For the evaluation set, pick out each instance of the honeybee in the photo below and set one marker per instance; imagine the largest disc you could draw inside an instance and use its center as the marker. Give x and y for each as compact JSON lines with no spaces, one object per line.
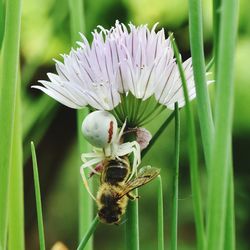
{"x":115,"y":189}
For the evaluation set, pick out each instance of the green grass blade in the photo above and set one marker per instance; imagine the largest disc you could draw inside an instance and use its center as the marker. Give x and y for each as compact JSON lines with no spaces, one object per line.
{"x":160,"y":215}
{"x":174,"y":214}
{"x":38,"y":199}
{"x":197,"y":51}
{"x":76,"y":19}
{"x":8,"y":88}
{"x":2,"y":19}
{"x":220,"y":163}
{"x":85,"y":202}
{"x":216,"y":29}
{"x":132,"y":225}
{"x":89,"y":233}
{"x":210,"y":64}
{"x":16,"y":206}
{"x":193,"y":158}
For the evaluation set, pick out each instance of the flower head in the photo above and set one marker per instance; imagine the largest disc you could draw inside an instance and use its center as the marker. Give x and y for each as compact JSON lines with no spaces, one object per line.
{"x":123,"y":70}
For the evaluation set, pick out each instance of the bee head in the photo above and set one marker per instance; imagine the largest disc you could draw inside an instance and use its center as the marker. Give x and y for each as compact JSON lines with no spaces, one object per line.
{"x":109,"y":216}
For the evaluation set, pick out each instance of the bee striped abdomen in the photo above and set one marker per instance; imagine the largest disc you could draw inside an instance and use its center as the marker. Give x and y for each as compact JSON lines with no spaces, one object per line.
{"x":110,"y":208}
{"x":116,"y":172}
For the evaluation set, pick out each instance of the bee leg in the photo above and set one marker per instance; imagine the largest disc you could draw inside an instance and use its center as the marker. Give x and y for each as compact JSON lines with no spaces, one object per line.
{"x":132,"y":196}
{"x":85,"y":182}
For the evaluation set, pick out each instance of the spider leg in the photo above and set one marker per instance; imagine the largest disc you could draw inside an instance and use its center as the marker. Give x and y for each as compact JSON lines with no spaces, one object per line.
{"x":85,"y":156}
{"x":131,"y":147}
{"x":137,"y":157}
{"x":121,"y":131}
{"x":88,"y":164}
{"x":85,"y":182}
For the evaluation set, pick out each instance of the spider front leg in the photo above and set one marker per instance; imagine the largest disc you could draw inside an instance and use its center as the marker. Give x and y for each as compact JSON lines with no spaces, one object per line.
{"x":88,"y":164}
{"x":85,"y":182}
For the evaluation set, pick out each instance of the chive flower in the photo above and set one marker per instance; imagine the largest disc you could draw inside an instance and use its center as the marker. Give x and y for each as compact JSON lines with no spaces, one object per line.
{"x":128,"y":71}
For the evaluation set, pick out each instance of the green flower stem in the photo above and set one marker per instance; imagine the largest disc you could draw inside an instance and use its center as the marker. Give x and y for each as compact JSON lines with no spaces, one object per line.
{"x":8,"y":88}
{"x":38,"y":199}
{"x":160,"y":215}
{"x":158,"y":134}
{"x":219,"y":179}
{"x":89,"y":233}
{"x":193,"y":157}
{"x":174,"y":214}
{"x":197,"y":51}
{"x":132,"y":225}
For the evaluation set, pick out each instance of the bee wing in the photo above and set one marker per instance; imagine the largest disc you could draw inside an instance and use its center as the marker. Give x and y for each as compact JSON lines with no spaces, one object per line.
{"x":145,"y":175}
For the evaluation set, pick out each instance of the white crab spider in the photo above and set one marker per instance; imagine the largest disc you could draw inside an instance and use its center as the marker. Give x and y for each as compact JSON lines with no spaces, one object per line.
{"x":101,"y":130}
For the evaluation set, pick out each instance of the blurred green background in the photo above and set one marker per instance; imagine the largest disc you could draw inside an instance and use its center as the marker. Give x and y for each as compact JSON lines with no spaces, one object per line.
{"x":45,"y":35}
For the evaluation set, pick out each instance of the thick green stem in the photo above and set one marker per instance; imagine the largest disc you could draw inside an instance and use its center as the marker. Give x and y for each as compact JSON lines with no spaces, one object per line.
{"x":16,"y":206}
{"x":8,"y":87}
{"x":219,"y":178}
